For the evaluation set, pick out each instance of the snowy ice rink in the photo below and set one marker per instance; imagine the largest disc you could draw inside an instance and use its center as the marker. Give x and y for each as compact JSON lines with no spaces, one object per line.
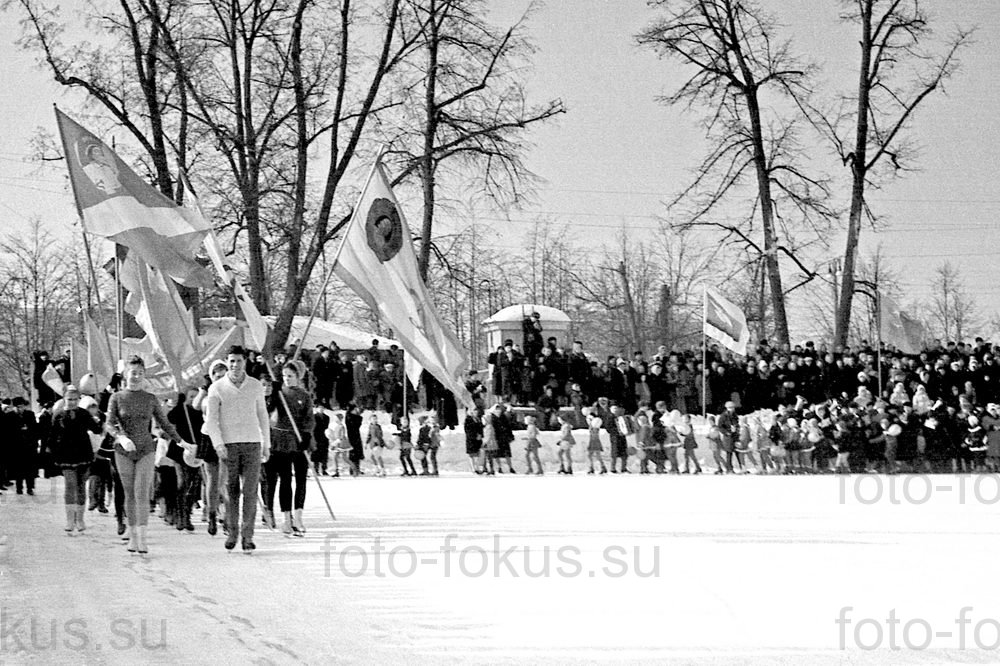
{"x":705,"y":569}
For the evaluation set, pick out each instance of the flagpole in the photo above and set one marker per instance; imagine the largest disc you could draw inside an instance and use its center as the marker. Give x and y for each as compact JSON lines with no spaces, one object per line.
{"x":704,"y":353}
{"x":878,"y":351}
{"x":336,"y":257}
{"x":119,"y":316}
{"x":86,"y":246}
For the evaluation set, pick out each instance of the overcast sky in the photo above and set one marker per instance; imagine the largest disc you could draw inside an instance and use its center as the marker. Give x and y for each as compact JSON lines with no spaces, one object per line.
{"x":617,"y":154}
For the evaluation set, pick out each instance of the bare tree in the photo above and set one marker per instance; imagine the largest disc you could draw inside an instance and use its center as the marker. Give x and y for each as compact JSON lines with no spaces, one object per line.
{"x":898,"y":70}
{"x":951,"y":310}
{"x":39,"y":303}
{"x":142,"y":95}
{"x":733,"y":48}
{"x":466,"y":78}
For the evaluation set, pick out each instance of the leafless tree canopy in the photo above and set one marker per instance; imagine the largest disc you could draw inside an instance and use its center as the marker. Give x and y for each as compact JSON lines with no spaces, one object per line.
{"x":747,"y":82}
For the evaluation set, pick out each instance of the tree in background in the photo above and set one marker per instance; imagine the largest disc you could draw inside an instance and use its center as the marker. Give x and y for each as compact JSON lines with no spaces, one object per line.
{"x":898,"y":70}
{"x":39,"y":303}
{"x":463,"y":108}
{"x":738,"y":60}
{"x":951,"y":312}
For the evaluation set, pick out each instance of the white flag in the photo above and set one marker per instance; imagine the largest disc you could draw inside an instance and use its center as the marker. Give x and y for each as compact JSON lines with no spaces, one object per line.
{"x":376,"y":259}
{"x":899,"y":329}
{"x":725,"y":322}
{"x":255,"y":321}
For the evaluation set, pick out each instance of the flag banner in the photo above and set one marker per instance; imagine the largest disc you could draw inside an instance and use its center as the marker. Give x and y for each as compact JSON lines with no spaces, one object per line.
{"x":157,"y":307}
{"x":256,"y":324}
{"x":79,"y":361}
{"x":53,"y":380}
{"x":725,"y":322}
{"x":116,"y":204}
{"x":377,"y":261}
{"x":100,"y":357}
{"x":899,"y":329}
{"x":160,"y":380}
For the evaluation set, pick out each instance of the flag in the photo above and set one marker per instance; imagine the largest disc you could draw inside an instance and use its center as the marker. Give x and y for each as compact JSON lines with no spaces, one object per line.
{"x":116,"y":204}
{"x":725,"y":322}
{"x":255,"y":321}
{"x":100,"y":358}
{"x":157,"y":307}
{"x":899,"y":329}
{"x":377,"y":261}
{"x":79,"y":361}
{"x":53,"y":380}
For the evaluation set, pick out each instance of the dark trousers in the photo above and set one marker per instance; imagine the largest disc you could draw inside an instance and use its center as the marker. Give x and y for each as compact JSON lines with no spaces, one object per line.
{"x":279,"y":469}
{"x":691,"y":456}
{"x":166,"y":488}
{"x":431,"y":459}
{"x":75,"y":479}
{"x":243,"y":465}
{"x":25,"y":470}
{"x":119,"y":491}
{"x":671,"y":454}
{"x":188,"y":492}
{"x":100,"y":481}
{"x":407,"y":461}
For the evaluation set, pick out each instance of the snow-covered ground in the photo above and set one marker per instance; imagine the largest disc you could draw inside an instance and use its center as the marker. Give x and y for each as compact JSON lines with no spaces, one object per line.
{"x":453,"y":569}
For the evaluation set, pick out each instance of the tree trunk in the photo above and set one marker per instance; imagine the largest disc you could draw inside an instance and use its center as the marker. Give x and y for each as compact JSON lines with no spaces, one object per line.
{"x":430,"y":130}
{"x":859,"y":160}
{"x":767,"y":220}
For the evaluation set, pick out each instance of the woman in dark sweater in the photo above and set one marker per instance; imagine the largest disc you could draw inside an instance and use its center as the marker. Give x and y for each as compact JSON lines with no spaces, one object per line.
{"x":131,"y":412}
{"x":292,"y":424}
{"x":72,"y":451}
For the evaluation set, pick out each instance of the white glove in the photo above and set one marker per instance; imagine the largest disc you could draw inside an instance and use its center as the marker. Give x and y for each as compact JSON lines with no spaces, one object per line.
{"x":125,"y":442}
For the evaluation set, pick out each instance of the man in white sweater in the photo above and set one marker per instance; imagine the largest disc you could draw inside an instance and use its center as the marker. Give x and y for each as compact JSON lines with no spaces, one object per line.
{"x":237,"y":422}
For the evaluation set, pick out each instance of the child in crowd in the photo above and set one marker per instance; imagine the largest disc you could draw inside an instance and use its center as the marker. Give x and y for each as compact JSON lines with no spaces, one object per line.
{"x":337,"y":434}
{"x":714,"y":437}
{"x":406,"y":448}
{"x":376,"y":444}
{"x":644,"y":444}
{"x":594,"y":447}
{"x":490,"y":445}
{"x":685,"y":431}
{"x":532,"y":445}
{"x":566,"y":443}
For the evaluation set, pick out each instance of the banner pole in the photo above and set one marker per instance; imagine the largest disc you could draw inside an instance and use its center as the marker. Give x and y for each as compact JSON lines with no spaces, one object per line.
{"x":336,"y":257}
{"x":704,"y":353}
{"x":878,"y":350}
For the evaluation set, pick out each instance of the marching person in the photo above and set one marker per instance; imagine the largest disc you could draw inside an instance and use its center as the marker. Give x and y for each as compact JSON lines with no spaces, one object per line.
{"x":236,"y":420}
{"x":188,"y":422}
{"x":131,"y":412}
{"x":72,"y":451}
{"x":292,"y":419}
{"x":214,"y":469}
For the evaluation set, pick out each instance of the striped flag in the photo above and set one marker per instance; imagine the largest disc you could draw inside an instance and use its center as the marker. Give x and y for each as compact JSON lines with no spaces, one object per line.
{"x":377,"y":261}
{"x":116,"y":204}
{"x":725,"y":322}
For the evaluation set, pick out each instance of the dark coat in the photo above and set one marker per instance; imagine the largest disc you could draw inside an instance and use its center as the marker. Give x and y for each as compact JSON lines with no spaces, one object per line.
{"x":69,"y":440}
